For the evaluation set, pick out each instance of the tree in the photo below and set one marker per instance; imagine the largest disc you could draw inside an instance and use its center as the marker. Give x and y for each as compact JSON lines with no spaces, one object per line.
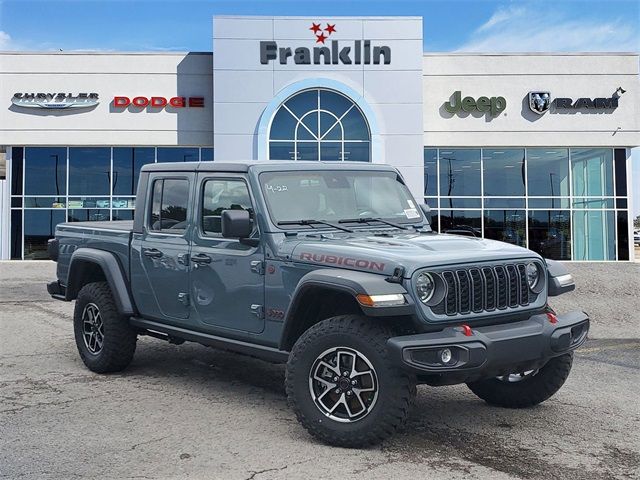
{"x":636,"y":223}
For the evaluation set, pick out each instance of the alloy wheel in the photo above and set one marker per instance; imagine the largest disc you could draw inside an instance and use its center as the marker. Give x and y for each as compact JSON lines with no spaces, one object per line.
{"x":343,"y":384}
{"x":92,"y":328}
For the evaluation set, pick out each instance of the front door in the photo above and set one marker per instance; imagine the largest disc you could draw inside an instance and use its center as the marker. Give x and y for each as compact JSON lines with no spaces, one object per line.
{"x":164,"y":248}
{"x":227,"y":282}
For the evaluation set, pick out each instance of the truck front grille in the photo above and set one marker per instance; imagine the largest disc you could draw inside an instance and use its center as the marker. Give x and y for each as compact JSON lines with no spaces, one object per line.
{"x":478,"y":289}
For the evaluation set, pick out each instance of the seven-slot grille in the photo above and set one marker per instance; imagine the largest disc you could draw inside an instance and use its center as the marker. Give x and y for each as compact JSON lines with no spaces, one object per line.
{"x":487,"y":288}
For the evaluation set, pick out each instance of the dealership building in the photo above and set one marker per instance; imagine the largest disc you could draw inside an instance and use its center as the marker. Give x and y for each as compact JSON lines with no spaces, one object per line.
{"x":532,"y":149}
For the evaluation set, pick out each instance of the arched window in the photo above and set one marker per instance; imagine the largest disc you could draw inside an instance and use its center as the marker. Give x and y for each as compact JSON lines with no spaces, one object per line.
{"x":319,"y":124}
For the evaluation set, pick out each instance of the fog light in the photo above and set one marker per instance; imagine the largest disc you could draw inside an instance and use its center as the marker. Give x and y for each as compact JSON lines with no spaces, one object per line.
{"x":445,"y":355}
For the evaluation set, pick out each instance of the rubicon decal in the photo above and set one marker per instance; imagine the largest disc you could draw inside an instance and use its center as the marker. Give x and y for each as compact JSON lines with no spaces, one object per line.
{"x":158,"y":102}
{"x":55,"y":100}
{"x":330,"y":53}
{"x":346,"y":261}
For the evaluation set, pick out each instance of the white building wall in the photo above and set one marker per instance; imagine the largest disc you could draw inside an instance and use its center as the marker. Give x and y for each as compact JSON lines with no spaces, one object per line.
{"x":108,"y":74}
{"x":513,"y":76}
{"x":244,"y":88}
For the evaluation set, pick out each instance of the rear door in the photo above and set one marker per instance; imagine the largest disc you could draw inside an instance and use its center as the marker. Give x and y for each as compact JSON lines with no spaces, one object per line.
{"x":227,"y":281}
{"x":164,"y":247}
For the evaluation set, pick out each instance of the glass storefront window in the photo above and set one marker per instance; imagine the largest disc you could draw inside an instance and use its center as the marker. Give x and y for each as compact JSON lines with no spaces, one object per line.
{"x":550,"y":233}
{"x":430,"y":172}
{"x":17,"y":162}
{"x":39,"y":227}
{"x":466,"y":222}
{"x":45,"y":202}
{"x":87,"y":215}
{"x":548,"y":172}
{"x":503,"y":172}
{"x":127,"y":162}
{"x":592,"y":172}
{"x":506,"y":226}
{"x":460,"y":172}
{"x":594,"y":235}
{"x":206,"y":154}
{"x":45,"y":171}
{"x":89,"y":170}
{"x":178,"y":154}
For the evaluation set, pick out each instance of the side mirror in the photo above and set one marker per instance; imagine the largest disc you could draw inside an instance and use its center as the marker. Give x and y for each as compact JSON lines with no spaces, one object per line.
{"x":236,"y":224}
{"x":426,"y":210}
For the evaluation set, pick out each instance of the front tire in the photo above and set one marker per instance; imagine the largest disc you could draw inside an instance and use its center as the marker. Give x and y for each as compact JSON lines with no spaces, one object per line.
{"x":105,"y":340}
{"x":342,"y":385}
{"x":522,"y":390}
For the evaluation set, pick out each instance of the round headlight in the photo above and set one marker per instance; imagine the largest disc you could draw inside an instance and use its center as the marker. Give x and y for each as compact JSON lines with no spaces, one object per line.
{"x":533,"y":275}
{"x":425,"y":286}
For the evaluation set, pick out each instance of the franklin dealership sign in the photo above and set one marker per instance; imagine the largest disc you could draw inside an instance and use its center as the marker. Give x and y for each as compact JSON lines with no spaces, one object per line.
{"x":331,"y":53}
{"x":55,"y":100}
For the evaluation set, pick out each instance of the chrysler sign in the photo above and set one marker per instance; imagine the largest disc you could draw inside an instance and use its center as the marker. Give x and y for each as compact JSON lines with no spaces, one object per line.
{"x":55,"y":100}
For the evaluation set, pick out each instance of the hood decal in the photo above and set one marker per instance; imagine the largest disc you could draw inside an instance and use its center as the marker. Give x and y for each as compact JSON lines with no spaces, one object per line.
{"x":339,"y":260}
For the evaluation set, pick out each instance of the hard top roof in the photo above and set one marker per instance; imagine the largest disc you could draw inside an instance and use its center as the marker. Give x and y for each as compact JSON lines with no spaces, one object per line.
{"x":260,"y":166}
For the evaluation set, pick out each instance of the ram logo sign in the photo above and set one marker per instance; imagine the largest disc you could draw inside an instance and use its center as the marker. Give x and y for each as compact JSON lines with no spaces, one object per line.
{"x":539,"y":102}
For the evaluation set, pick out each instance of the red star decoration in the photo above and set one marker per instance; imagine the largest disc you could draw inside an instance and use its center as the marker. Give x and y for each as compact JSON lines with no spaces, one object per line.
{"x":321,"y":38}
{"x":330,"y":28}
{"x":315,"y":27}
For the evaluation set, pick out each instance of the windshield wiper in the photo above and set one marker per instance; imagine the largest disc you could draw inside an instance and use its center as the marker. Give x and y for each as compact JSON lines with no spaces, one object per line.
{"x":373,"y":219}
{"x":312,"y":222}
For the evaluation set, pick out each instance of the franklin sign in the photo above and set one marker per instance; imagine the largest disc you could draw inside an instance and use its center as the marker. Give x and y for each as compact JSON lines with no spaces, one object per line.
{"x":359,"y":52}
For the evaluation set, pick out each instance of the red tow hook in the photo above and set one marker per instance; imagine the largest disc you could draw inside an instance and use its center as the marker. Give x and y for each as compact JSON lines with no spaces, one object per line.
{"x":466,"y":329}
{"x":552,"y":317}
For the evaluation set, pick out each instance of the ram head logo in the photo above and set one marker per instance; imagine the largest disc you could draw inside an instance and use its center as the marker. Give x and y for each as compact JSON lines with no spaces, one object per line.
{"x":539,"y":102}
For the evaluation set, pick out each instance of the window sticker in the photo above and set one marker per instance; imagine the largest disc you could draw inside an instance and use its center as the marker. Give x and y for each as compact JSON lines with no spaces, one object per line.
{"x":276,"y":188}
{"x":411,"y":204}
{"x":411,"y":213}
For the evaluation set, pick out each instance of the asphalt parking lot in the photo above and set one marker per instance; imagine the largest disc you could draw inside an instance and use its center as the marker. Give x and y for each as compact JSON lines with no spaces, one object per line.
{"x":194,"y":412}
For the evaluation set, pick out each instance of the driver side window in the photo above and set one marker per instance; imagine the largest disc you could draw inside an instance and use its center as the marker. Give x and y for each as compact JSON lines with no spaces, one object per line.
{"x":219,"y":195}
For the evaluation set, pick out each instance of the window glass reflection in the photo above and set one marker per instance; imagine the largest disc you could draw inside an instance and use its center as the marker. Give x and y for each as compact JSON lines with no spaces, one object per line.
{"x":45,"y":171}
{"x":206,"y":154}
{"x":178,"y":154}
{"x":550,"y":233}
{"x":87,"y":215}
{"x":39,"y":227}
{"x":463,"y":222}
{"x":127,"y":162}
{"x":460,"y":172}
{"x":592,"y":172}
{"x":430,"y":172}
{"x":548,"y":171}
{"x":505,"y":226}
{"x":593,"y":235}
{"x":89,"y":171}
{"x":17,"y":159}
{"x":503,"y":172}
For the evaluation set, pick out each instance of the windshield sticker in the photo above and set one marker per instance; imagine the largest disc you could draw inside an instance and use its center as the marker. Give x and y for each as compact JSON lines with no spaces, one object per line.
{"x":411,"y":213}
{"x":411,"y":204}
{"x":276,"y":188}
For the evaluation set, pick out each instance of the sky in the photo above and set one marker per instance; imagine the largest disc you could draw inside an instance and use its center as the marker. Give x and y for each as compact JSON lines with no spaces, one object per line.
{"x":449,"y":25}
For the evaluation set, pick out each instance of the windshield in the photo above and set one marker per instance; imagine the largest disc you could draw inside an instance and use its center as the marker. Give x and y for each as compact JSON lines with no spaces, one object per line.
{"x":338,"y":195}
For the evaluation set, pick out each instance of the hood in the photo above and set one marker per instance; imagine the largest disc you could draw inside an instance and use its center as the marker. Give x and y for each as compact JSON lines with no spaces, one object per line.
{"x":383,"y":253}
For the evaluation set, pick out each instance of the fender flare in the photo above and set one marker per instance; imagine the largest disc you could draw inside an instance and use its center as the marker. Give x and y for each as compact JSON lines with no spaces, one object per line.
{"x":113,"y":273}
{"x":351,"y":282}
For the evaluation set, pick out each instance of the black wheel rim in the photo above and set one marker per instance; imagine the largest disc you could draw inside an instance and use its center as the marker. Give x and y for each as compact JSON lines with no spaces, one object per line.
{"x":92,"y":328}
{"x":343,"y":384}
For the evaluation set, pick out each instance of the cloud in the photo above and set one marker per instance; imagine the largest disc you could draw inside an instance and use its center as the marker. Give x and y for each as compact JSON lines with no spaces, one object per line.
{"x":5,"y":41}
{"x":525,"y":29}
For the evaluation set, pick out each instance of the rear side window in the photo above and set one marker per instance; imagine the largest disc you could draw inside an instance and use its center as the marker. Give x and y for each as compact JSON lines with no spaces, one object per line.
{"x":220,"y":195}
{"x":169,"y":202}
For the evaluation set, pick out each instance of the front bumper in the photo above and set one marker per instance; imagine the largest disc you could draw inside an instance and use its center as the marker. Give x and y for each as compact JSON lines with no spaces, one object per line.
{"x":491,"y":350}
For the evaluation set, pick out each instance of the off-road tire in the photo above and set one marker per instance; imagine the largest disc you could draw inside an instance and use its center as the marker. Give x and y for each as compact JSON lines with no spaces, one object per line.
{"x":528,"y":392}
{"x":396,"y":388}
{"x":120,"y":338}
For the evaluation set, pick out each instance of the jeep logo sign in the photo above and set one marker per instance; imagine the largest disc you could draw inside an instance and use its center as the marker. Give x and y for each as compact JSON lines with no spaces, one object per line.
{"x":492,"y":105}
{"x":363,"y":52}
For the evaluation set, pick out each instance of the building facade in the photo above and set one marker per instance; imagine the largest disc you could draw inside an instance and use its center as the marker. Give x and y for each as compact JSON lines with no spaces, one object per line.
{"x":531,"y":149}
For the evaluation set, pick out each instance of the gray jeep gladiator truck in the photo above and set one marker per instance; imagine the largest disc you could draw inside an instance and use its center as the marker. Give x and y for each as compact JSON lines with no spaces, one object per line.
{"x":330,"y":268}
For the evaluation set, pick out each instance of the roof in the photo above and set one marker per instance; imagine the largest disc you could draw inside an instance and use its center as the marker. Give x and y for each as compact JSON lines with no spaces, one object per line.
{"x":272,"y":165}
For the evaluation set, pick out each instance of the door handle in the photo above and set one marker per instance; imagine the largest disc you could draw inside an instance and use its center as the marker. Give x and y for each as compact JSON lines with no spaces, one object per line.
{"x":201,"y":258}
{"x":152,"y":252}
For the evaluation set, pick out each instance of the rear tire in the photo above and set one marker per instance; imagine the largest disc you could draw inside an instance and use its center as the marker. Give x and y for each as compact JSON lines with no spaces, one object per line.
{"x":530,"y":390}
{"x":337,"y":402}
{"x":105,"y":340}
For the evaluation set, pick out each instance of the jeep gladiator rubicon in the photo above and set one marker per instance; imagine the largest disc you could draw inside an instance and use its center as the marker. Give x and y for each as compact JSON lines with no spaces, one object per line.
{"x":332,"y":269}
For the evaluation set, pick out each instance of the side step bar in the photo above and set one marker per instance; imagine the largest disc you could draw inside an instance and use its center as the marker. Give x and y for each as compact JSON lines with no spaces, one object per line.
{"x":259,"y":351}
